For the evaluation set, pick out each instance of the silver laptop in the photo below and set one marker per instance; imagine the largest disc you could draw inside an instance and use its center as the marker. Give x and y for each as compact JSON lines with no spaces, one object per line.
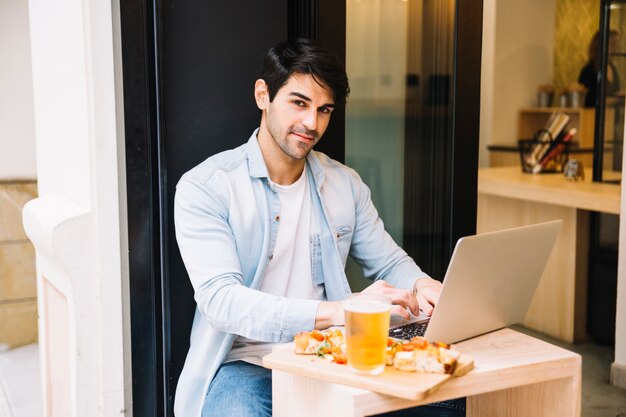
{"x":489,"y":284}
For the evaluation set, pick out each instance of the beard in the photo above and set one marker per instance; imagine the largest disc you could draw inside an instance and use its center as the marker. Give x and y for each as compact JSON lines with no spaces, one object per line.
{"x":293,"y":148}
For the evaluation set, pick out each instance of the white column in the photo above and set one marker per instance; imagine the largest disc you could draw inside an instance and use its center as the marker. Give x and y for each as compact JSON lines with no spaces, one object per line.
{"x":78,"y":224}
{"x":618,"y":368}
{"x":487,"y":70}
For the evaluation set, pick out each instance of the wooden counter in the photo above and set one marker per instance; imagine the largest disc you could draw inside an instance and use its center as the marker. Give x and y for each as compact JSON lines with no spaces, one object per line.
{"x":509,"y":198}
{"x":511,"y":182}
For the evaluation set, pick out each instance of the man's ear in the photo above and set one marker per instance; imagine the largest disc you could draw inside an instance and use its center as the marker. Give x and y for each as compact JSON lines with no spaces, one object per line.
{"x":261,"y":94}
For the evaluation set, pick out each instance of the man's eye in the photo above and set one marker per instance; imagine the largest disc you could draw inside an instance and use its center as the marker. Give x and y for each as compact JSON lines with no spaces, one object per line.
{"x":326,"y":110}
{"x":299,"y":103}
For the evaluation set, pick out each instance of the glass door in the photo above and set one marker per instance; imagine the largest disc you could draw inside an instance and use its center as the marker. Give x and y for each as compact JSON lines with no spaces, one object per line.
{"x":610,"y":101}
{"x":400,"y":131}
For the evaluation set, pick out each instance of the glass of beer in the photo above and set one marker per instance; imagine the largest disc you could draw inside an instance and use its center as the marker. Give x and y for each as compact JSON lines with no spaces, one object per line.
{"x":367,"y":328}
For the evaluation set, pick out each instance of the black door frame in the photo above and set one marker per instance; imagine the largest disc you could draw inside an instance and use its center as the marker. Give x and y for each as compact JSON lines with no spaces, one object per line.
{"x":466,"y":123}
{"x":142,"y":123}
{"x":441,"y":165}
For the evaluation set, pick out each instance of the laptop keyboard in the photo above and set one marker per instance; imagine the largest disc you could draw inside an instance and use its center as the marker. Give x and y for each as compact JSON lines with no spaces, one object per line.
{"x":409,"y":331}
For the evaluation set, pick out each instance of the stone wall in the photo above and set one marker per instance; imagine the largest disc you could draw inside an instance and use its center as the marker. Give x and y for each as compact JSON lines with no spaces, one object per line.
{"x":18,"y":285}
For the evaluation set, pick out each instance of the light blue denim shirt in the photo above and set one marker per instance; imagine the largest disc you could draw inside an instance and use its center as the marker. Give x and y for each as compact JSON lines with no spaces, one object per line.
{"x":226,"y":217}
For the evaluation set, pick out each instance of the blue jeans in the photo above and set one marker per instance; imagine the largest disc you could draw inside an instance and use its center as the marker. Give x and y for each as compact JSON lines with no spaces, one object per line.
{"x":240,"y":389}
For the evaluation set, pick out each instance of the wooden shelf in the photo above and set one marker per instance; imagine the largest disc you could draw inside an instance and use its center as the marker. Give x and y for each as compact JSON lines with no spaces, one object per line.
{"x":531,"y":119}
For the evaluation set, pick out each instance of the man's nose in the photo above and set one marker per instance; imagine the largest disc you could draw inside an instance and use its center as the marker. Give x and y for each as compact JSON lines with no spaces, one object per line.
{"x":310,"y":119}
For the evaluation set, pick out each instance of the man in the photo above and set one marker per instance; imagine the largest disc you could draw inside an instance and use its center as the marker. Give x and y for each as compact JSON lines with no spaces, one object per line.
{"x":265,"y":230}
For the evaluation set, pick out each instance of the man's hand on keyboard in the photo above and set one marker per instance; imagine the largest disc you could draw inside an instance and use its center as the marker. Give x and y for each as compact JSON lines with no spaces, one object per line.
{"x":427,"y":291}
{"x":402,"y":300}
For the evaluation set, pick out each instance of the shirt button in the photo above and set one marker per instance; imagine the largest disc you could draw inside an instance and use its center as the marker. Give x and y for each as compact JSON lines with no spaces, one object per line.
{"x":277,"y":218}
{"x":271,"y":256}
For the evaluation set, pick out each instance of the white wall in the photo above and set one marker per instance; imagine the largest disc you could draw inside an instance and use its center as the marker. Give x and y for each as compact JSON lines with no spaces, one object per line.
{"x":17,"y":135}
{"x":518,"y":42}
{"x":487,"y":71}
{"x":78,"y":224}
{"x":61,"y":91}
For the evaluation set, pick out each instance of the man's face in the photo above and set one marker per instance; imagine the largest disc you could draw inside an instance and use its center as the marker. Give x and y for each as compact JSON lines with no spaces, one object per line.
{"x":298,"y":116}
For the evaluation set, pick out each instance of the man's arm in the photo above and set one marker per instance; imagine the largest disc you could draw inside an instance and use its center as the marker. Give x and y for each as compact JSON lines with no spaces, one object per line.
{"x":373,"y":248}
{"x":209,"y":251}
{"x":329,"y":313}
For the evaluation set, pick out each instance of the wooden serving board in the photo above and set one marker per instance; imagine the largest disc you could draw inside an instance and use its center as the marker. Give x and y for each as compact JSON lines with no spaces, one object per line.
{"x":408,"y":385}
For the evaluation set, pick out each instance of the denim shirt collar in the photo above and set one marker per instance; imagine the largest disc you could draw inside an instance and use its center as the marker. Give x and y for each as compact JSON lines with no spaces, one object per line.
{"x":258,"y":169}
{"x":317,"y":168}
{"x":256,"y":164}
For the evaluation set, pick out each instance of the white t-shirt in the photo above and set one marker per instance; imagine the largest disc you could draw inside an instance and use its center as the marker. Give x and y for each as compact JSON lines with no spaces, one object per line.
{"x":289,"y":271}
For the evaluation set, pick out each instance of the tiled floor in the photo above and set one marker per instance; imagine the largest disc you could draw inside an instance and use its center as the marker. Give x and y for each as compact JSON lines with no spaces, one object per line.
{"x":5,"y":409}
{"x":20,"y":386}
{"x":20,"y":393}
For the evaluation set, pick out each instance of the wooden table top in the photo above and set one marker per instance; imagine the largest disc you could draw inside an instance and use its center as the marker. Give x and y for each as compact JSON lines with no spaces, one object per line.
{"x":502,"y":359}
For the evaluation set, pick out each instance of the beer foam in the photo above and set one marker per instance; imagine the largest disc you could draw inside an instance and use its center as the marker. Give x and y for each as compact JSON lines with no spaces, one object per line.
{"x":366,"y":306}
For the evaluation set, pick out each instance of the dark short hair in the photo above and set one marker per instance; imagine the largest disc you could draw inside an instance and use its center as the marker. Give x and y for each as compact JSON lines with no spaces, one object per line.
{"x":594,"y":47}
{"x":304,"y":56}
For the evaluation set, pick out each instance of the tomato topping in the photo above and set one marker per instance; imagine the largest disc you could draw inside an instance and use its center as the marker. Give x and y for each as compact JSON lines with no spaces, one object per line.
{"x":317,"y":336}
{"x":339,"y":358}
{"x":419,"y":342}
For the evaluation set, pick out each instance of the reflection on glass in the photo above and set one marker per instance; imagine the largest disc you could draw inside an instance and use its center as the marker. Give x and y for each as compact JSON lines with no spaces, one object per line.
{"x":612,"y":161}
{"x":399,"y":60}
{"x":376,"y":62}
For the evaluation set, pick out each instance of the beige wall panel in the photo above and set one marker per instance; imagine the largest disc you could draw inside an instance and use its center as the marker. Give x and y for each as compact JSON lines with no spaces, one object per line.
{"x":17,"y":272}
